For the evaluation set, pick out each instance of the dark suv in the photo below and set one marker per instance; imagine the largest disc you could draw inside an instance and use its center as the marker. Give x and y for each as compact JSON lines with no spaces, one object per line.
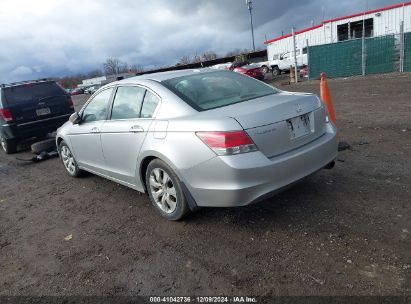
{"x":31,"y":109}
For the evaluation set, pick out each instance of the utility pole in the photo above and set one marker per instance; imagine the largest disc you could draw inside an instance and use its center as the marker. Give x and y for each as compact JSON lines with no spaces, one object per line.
{"x":249,"y":4}
{"x":402,"y":51}
{"x":295,"y":55}
{"x":363,"y":56}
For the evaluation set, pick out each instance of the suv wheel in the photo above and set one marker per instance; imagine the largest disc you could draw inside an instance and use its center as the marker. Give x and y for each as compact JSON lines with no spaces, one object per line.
{"x":68,"y":160}
{"x":165,"y":192}
{"x":8,"y":145}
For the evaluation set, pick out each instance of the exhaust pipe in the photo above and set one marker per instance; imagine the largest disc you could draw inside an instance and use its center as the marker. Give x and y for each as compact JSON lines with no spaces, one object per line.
{"x":330,"y":165}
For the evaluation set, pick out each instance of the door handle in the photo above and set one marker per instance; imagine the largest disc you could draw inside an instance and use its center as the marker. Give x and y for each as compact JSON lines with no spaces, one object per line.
{"x":95,"y":130}
{"x":136,"y":129}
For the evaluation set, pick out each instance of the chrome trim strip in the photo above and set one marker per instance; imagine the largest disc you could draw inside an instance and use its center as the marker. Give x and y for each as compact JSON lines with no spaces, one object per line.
{"x":46,"y":119}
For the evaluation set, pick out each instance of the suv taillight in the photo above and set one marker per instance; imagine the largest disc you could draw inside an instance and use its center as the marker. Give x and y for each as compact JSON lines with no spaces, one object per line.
{"x":228,"y":143}
{"x":6,"y":114}
{"x":70,"y":102}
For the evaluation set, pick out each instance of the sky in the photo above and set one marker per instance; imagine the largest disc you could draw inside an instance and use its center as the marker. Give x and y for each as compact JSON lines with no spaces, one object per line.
{"x":53,"y":38}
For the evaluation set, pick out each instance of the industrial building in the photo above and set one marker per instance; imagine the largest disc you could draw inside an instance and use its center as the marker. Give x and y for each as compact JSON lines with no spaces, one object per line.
{"x":378,"y":22}
{"x":104,"y":79}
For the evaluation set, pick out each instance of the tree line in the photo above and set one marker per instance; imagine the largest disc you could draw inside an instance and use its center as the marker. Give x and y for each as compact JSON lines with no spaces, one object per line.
{"x":210,"y":55}
{"x":114,"y":66}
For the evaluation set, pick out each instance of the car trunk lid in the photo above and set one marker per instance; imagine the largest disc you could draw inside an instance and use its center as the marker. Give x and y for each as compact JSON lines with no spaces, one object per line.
{"x":270,"y":120}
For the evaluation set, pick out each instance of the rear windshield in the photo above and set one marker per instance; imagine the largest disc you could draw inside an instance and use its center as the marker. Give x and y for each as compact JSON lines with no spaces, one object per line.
{"x":32,"y":91}
{"x":212,"y":90}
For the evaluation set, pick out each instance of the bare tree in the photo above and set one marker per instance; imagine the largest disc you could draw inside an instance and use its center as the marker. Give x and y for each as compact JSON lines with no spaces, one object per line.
{"x":209,"y":55}
{"x":114,"y":66}
{"x":184,"y":60}
{"x":136,"y":68}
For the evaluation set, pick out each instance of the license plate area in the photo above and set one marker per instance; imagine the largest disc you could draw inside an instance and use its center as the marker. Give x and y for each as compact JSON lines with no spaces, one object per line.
{"x":299,"y":126}
{"x":43,"y":111}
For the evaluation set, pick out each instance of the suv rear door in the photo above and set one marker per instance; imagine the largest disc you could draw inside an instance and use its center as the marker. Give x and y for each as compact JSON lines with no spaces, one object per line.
{"x":35,"y":101}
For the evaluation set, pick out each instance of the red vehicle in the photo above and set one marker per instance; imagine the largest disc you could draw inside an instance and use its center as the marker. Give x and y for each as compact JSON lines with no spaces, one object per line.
{"x":247,"y":69}
{"x":77,"y":91}
{"x":304,"y":72}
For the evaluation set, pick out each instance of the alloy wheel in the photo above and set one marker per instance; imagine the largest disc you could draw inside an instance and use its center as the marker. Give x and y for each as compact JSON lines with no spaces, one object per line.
{"x":163,"y":191}
{"x":68,"y":160}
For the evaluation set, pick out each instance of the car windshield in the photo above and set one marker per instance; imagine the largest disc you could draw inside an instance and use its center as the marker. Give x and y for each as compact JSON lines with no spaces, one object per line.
{"x":31,"y":91}
{"x":212,"y":90}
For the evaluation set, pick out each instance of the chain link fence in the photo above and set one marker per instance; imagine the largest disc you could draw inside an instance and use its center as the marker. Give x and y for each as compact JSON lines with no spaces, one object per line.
{"x":407,"y":52}
{"x":376,"y":55}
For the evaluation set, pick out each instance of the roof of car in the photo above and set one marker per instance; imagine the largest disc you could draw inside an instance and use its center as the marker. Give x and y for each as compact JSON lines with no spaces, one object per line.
{"x":161,"y":76}
{"x":15,"y":84}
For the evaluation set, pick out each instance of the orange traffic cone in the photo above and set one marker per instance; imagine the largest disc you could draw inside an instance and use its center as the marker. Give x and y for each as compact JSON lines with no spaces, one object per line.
{"x":326,"y":98}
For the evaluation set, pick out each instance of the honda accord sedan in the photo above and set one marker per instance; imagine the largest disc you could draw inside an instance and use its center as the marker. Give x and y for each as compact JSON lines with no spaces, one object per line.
{"x":198,"y":138}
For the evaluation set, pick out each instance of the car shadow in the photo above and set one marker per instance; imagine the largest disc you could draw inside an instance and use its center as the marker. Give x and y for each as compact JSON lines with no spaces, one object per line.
{"x":292,"y":205}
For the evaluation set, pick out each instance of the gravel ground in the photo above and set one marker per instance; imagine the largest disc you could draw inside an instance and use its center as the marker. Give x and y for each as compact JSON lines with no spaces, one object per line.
{"x":344,"y":231}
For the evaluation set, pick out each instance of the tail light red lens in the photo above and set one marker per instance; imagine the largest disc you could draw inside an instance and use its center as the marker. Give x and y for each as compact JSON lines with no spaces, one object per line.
{"x":228,"y":143}
{"x":6,"y":115}
{"x":70,"y":102}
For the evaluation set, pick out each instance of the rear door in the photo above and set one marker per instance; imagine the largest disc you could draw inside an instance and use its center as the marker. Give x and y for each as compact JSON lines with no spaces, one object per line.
{"x":35,"y":101}
{"x":123,"y":135}
{"x":85,"y":137}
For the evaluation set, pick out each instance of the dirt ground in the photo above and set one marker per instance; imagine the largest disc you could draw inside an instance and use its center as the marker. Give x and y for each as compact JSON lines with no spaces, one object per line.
{"x":344,"y":231}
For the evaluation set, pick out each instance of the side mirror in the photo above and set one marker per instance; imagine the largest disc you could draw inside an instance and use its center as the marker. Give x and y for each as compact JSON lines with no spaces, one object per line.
{"x":75,"y":118}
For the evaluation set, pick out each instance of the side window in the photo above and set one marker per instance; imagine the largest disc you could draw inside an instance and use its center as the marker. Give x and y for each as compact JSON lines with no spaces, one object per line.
{"x":97,"y":107}
{"x":127,"y":103}
{"x":149,"y":105}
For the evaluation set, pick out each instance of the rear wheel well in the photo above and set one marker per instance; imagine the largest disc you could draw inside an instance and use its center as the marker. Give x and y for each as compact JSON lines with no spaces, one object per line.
{"x":143,"y":169}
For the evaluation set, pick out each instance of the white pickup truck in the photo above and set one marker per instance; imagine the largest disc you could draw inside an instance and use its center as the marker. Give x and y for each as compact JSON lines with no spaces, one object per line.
{"x":264,"y":66}
{"x":284,"y":61}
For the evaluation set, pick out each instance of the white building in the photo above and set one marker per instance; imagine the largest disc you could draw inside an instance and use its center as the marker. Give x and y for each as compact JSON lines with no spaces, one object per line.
{"x":378,"y":22}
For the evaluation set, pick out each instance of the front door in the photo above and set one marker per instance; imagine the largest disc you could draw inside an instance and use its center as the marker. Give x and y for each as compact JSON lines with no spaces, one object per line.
{"x":85,"y":137}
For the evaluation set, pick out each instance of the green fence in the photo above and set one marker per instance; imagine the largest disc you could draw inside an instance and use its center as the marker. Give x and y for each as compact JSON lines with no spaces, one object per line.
{"x":336,"y":59}
{"x":380,"y":55}
{"x":345,"y":58}
{"x":407,"y":52}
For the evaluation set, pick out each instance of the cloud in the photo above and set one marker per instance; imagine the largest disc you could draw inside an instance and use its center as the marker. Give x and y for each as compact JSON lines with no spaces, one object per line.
{"x":21,"y":71}
{"x":54,"y":38}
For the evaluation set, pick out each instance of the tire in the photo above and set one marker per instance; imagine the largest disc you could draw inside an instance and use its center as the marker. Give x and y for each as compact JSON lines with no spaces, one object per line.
{"x":265,"y":69}
{"x":68,"y":160}
{"x":47,"y":145}
{"x":276,"y":71}
{"x":8,"y":146}
{"x":170,"y":202}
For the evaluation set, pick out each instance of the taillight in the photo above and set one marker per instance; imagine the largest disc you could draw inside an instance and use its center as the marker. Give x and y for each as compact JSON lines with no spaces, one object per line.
{"x":70,"y":102}
{"x":6,"y":114}
{"x":228,"y":143}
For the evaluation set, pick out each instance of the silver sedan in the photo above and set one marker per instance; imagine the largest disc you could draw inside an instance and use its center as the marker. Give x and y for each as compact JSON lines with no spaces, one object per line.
{"x":198,"y":138}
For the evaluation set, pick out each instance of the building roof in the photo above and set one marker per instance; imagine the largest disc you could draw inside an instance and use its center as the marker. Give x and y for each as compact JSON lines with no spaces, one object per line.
{"x":338,"y":19}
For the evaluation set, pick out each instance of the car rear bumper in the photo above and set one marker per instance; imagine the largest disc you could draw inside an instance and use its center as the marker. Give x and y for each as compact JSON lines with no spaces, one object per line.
{"x":240,"y":180}
{"x":33,"y":128}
